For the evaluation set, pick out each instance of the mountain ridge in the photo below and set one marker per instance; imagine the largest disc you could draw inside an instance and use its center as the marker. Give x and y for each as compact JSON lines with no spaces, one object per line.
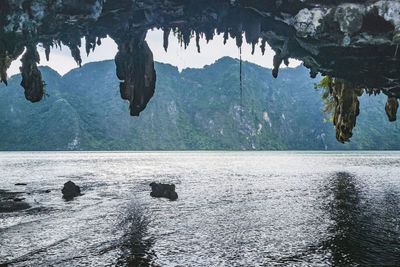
{"x":42,"y":67}
{"x":196,"y":109}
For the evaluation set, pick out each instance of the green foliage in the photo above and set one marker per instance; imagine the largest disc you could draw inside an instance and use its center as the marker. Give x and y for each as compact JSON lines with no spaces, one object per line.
{"x":45,"y":94}
{"x":329,"y":103}
{"x":5,"y":63}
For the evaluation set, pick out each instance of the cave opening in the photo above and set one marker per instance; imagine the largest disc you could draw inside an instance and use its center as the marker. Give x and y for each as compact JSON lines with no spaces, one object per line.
{"x":356,"y":41}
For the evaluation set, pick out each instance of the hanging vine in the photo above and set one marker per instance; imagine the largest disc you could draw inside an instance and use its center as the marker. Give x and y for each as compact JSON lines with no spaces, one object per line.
{"x":241,"y":83}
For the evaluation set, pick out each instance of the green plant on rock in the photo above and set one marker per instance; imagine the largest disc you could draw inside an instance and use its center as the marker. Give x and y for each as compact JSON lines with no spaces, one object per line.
{"x":5,"y":63}
{"x":45,"y":94}
{"x":325,"y":85}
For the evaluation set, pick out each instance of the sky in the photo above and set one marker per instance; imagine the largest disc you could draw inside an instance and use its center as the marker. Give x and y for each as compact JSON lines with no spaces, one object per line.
{"x":62,"y":61}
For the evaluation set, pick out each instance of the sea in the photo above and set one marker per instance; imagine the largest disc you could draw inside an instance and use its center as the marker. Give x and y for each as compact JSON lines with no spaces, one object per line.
{"x":234,"y":209}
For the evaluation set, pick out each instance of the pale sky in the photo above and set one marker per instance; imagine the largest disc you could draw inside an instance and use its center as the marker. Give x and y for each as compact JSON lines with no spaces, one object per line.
{"x":62,"y":61}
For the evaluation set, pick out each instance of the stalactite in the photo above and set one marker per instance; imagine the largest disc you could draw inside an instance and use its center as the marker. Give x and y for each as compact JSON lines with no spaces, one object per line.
{"x":262,"y":46}
{"x":87,"y":47}
{"x":391,"y":108}
{"x":277,"y":61}
{"x":371,"y":91}
{"x":76,"y":54}
{"x":186,"y":37}
{"x":198,"y":42}
{"x":209,"y":34}
{"x":285,"y":54}
{"x":347,"y":108}
{"x":31,"y":76}
{"x":166,"y":32}
{"x":74,"y":44}
{"x":90,"y":44}
{"x":239,"y":39}
{"x":252,"y":30}
{"x":46,"y":47}
{"x":286,"y":62}
{"x":226,"y":36}
{"x":237,"y":34}
{"x":135,"y":67}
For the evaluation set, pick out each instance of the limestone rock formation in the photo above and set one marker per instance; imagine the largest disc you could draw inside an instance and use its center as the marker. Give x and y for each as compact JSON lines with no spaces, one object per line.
{"x":31,"y":76}
{"x":357,"y":41}
{"x":391,"y":108}
{"x":347,"y":108}
{"x":135,"y":66}
{"x":70,"y":190}
{"x":163,"y":190}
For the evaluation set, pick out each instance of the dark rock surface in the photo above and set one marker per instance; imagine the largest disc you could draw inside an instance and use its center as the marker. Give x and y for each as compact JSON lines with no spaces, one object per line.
{"x":20,"y":184}
{"x":356,"y":41}
{"x":10,"y":202}
{"x":163,"y":190}
{"x":391,"y":108}
{"x":70,"y":190}
{"x":346,"y":110}
{"x":135,"y":66}
{"x":31,"y":76}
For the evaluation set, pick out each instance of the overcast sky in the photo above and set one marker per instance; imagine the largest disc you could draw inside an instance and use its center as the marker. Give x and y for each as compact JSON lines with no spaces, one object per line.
{"x":62,"y":62}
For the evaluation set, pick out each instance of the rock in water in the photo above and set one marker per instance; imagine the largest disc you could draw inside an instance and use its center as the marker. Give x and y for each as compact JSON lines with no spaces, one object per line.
{"x":70,"y":190}
{"x":13,"y":206}
{"x":9,"y":202}
{"x":163,"y":190}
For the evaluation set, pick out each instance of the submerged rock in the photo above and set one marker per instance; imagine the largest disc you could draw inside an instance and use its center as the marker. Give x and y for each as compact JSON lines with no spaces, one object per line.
{"x":9,"y":202}
{"x":12,"y":206}
{"x":70,"y":190}
{"x":20,"y":184}
{"x":163,"y":190}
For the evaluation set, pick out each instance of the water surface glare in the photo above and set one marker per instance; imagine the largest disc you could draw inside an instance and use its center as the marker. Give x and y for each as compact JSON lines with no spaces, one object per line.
{"x":234,"y":209}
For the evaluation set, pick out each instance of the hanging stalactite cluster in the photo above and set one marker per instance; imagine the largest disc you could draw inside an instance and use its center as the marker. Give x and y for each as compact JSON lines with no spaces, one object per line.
{"x":31,"y":77}
{"x":347,"y":108}
{"x":135,"y":66}
{"x":341,"y":102}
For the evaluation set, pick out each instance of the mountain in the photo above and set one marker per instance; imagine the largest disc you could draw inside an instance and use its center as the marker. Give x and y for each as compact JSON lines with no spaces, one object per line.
{"x":194,"y":109}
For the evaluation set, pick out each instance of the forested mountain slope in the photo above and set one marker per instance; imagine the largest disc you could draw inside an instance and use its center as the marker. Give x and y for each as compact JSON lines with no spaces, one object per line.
{"x":194,"y":109}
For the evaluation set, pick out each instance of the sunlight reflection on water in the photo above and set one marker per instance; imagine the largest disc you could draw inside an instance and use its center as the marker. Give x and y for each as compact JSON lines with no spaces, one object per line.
{"x":234,"y":208}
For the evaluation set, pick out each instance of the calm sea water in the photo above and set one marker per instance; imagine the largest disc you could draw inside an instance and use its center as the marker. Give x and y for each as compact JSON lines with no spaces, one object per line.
{"x":234,"y":209}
